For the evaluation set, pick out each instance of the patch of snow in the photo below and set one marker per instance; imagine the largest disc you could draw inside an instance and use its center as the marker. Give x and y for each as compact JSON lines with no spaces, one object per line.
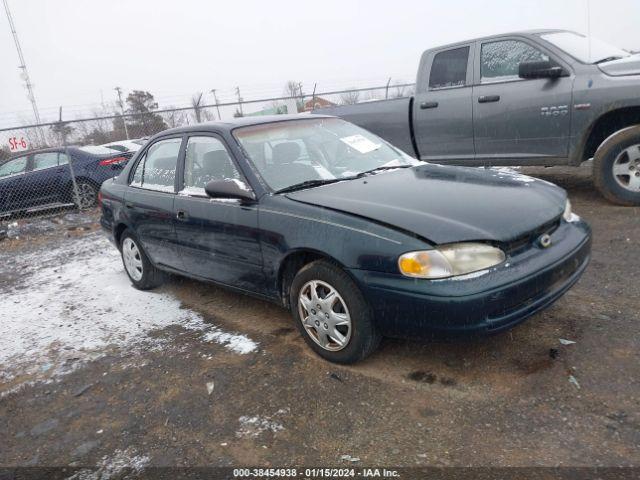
{"x":251,"y":427}
{"x":193,"y":191}
{"x":121,"y":462}
{"x":241,"y":185}
{"x":75,"y":304}
{"x":511,"y":174}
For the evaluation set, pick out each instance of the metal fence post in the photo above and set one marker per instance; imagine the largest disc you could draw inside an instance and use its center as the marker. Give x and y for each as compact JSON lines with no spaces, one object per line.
{"x":63,"y":134}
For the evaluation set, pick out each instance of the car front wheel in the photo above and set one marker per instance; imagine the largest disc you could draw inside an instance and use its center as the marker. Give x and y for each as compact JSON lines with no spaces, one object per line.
{"x":616,"y":167}
{"x":141,"y":272}
{"x":331,"y":313}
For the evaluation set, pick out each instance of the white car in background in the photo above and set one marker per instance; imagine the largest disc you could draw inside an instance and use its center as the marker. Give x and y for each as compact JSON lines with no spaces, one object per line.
{"x":123,"y":146}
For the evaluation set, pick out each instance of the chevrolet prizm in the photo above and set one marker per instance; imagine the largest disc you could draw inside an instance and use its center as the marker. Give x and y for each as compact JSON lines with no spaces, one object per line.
{"x":356,"y":238}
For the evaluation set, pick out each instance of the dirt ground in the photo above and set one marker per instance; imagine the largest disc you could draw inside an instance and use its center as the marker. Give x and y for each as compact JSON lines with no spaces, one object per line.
{"x":521,"y":398}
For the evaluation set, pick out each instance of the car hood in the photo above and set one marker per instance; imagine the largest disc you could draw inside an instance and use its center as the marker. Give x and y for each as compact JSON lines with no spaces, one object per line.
{"x":446,"y":204}
{"x":624,"y":66}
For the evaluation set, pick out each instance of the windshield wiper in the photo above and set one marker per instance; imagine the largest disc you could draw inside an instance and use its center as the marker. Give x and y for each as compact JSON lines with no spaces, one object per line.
{"x":379,"y":169}
{"x":308,"y":184}
{"x":608,"y":59}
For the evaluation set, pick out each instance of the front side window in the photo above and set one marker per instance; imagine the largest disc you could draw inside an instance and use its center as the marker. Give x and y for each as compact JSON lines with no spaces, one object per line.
{"x":157,"y":169}
{"x":500,"y":61}
{"x":449,"y":68}
{"x":45,"y":160}
{"x":13,"y":167}
{"x":324,"y":150}
{"x":206,"y":159}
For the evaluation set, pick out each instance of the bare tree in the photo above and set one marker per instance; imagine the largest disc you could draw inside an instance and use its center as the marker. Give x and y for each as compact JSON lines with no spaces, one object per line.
{"x":350,"y":97}
{"x":293,"y":89}
{"x":196,"y":102}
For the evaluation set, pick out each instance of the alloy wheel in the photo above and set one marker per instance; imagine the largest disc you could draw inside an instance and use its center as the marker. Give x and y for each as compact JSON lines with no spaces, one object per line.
{"x":86,"y":195}
{"x":626,"y":168}
{"x":324,"y":315}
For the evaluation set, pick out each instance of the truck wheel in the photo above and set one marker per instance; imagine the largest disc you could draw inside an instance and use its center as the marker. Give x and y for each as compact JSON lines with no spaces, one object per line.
{"x":616,"y":167}
{"x":331,"y":313}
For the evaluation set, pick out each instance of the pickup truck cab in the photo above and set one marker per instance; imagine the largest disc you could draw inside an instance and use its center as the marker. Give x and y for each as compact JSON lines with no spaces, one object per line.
{"x":544,"y":97}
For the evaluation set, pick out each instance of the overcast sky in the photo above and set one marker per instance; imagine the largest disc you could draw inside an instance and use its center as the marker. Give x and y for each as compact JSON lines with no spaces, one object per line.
{"x":77,"y":50}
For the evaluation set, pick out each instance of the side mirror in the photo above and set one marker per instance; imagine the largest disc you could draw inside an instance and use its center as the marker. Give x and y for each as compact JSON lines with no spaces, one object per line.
{"x":540,"y":69}
{"x":235,"y":189}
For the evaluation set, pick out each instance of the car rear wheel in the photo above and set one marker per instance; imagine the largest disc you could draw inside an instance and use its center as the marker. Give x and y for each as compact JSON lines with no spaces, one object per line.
{"x":86,"y":194}
{"x":616,"y":167}
{"x":141,"y":272}
{"x":331,"y":313}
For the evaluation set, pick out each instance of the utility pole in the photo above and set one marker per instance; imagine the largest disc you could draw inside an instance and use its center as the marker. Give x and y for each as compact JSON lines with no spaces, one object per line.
{"x":239,"y":100}
{"x":301,"y":97}
{"x":215,"y":97}
{"x":25,"y":74}
{"x":124,"y":122}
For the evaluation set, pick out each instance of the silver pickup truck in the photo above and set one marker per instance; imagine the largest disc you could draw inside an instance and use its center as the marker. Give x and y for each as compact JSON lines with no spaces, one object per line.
{"x":545,"y":97}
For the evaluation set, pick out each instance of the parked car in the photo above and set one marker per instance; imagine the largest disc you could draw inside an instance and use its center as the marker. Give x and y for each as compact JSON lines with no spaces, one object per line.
{"x":546,"y":97}
{"x":123,"y":146}
{"x":42,"y":179}
{"x":356,"y":238}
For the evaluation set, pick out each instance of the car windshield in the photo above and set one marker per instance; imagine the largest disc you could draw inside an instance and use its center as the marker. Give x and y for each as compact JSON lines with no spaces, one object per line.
{"x":583,"y":48}
{"x":308,"y":152}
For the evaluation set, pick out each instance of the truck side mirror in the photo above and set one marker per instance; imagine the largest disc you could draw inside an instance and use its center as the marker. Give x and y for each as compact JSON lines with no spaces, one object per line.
{"x":541,"y":69}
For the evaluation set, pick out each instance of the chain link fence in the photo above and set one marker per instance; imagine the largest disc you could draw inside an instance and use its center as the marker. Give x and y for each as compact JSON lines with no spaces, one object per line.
{"x":59,"y":166}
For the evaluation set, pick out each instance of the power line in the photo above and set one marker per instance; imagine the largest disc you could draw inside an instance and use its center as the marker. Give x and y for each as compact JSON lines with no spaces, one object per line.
{"x":25,"y":72}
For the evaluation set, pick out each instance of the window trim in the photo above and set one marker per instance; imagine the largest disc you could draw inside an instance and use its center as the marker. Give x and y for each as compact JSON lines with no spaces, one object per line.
{"x":182,"y":163}
{"x":477,"y":80}
{"x":142,"y":155}
{"x":468,"y":80}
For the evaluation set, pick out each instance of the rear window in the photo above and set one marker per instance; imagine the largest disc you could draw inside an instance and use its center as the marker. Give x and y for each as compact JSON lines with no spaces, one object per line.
{"x":449,"y":68}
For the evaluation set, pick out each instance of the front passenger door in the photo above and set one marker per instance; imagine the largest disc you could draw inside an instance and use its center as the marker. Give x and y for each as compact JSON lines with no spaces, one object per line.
{"x":218,"y":237}
{"x":517,"y":119}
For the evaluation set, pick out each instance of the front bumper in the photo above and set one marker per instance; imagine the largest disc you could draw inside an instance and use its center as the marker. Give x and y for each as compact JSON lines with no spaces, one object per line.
{"x":525,"y":284}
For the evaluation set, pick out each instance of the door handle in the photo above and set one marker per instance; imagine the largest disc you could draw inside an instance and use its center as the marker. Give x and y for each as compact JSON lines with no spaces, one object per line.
{"x":488,"y":98}
{"x":128,"y":205}
{"x":425,"y":105}
{"x":181,"y":215}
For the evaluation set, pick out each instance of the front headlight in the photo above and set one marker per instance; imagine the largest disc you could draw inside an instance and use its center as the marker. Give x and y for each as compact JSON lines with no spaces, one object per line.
{"x":567,"y":215}
{"x":450,"y":260}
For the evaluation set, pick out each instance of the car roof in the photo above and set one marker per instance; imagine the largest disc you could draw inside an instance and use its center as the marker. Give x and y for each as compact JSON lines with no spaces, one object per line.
{"x":228,"y":125}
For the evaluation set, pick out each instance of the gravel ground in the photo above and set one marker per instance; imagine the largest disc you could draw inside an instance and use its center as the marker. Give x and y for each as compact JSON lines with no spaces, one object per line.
{"x":96,"y":373}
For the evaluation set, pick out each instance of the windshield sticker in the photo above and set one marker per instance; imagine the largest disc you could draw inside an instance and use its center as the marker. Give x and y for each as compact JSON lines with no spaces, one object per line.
{"x":360,"y":143}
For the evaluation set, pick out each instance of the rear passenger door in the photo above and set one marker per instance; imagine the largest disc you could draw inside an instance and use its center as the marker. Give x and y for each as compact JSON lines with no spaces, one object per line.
{"x":149,"y":201}
{"x":218,"y":238}
{"x":442,"y":115}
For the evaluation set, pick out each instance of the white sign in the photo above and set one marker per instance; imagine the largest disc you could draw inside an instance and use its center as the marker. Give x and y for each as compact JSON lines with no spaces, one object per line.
{"x":360,"y":143}
{"x":18,"y":144}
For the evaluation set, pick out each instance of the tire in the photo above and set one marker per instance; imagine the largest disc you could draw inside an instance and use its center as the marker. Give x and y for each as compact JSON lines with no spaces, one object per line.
{"x":87,"y":194}
{"x":344,"y":343}
{"x":143,"y":275}
{"x":616,"y":167}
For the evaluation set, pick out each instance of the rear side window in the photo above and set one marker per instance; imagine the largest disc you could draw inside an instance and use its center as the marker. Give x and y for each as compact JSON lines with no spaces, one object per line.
{"x":157,"y":170}
{"x":500,"y":61}
{"x":449,"y":68}
{"x":13,"y":167}
{"x":48,"y":160}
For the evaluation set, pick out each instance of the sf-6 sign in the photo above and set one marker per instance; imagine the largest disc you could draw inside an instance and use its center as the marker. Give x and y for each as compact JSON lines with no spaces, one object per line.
{"x":18,"y":144}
